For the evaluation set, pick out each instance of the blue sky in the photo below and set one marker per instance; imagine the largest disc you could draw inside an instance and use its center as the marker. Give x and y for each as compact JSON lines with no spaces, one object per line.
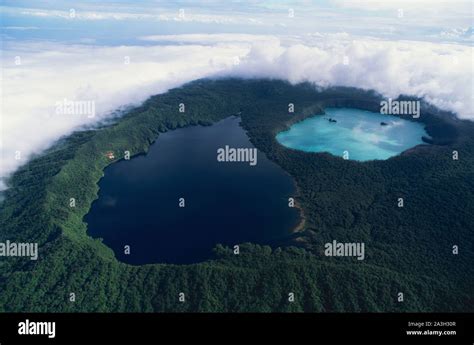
{"x":121,"y":22}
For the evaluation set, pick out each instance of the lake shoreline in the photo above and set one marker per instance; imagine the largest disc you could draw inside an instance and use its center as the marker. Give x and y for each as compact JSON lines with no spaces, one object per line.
{"x":300,"y":227}
{"x":354,"y":134}
{"x":168,"y":173}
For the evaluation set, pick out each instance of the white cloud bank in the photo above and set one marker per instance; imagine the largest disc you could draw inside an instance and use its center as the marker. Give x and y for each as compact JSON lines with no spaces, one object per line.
{"x":442,"y":74}
{"x":50,"y":73}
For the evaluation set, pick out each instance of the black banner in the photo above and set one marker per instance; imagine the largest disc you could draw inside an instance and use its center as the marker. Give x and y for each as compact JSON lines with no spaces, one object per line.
{"x":37,"y":328}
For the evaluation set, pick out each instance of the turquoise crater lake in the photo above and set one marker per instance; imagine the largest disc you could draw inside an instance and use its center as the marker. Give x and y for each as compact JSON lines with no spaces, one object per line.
{"x":364,"y":134}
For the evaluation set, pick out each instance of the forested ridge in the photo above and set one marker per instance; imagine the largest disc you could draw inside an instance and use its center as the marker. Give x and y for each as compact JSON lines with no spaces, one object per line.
{"x":408,"y":249}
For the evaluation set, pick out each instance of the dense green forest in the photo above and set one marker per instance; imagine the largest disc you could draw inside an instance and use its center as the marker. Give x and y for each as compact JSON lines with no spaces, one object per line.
{"x":408,"y":249}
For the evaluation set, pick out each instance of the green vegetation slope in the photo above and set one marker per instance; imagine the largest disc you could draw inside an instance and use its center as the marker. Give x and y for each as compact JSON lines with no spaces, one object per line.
{"x":408,"y":249}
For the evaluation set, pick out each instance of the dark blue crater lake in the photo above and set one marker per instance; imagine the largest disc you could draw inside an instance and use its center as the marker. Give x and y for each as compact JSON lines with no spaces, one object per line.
{"x":225,"y":202}
{"x":363,"y":134}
